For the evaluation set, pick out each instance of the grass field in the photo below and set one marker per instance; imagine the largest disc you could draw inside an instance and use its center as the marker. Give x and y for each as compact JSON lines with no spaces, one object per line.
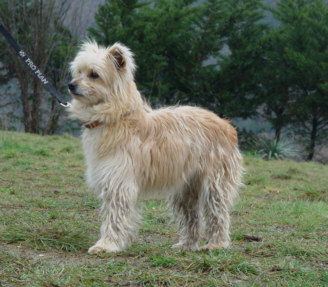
{"x":48,"y":219}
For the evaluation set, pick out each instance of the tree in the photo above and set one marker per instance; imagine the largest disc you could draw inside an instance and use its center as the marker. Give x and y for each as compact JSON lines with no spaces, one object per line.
{"x":172,"y":40}
{"x":38,"y":26}
{"x":304,"y":36}
{"x":237,"y":84}
{"x":276,"y":81}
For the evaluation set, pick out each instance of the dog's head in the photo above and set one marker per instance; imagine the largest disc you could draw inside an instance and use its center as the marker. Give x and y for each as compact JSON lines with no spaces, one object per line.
{"x":99,"y":73}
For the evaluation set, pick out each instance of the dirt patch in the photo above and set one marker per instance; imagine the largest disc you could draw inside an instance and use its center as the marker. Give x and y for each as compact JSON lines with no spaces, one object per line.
{"x":81,"y":258}
{"x":55,"y":258}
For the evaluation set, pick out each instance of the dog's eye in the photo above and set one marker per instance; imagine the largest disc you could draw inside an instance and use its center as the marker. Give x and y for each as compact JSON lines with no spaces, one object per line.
{"x":94,"y":75}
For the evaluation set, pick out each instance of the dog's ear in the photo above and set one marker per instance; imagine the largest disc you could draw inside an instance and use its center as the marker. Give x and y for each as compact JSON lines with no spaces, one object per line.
{"x":122,"y":57}
{"x":117,"y":56}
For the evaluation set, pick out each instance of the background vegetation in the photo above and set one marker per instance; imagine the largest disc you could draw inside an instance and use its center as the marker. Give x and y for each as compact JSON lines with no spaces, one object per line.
{"x":48,"y":219}
{"x":250,"y":60}
{"x":240,"y":58}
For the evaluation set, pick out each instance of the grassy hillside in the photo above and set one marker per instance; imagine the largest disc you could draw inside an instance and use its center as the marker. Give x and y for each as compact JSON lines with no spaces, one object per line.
{"x":48,"y":219}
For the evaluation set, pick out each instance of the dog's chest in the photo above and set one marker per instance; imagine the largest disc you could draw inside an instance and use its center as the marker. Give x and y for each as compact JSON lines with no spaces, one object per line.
{"x":104,"y":170}
{"x":95,"y":166}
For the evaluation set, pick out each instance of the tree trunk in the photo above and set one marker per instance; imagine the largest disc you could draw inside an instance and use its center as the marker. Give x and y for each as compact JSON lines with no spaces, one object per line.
{"x":26,"y":111}
{"x":52,"y":124}
{"x":279,"y":122}
{"x":24,"y":98}
{"x":314,"y":133}
{"x":23,"y":81}
{"x":278,"y":133}
{"x":35,"y":125}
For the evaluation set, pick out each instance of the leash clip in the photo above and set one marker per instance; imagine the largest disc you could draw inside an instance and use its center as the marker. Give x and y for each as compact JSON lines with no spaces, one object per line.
{"x":67,"y":105}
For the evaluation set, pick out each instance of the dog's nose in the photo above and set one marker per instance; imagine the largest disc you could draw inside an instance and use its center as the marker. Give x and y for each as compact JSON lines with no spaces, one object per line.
{"x":72,"y":86}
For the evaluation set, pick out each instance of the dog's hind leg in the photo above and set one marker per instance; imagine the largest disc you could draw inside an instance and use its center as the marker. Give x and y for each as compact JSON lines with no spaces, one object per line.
{"x":120,"y":219}
{"x":217,"y":219}
{"x":218,"y":193}
{"x":185,"y":205}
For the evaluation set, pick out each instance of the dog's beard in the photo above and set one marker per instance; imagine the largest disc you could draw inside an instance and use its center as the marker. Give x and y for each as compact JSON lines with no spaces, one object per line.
{"x":89,"y":97}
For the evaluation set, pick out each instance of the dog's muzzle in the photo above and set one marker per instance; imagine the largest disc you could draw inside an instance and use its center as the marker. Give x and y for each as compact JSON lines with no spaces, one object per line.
{"x":74,"y":89}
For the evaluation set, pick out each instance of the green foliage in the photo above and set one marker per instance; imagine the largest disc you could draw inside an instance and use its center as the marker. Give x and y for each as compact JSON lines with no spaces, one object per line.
{"x":238,"y":78}
{"x":269,"y":148}
{"x":178,"y":45}
{"x":247,"y":140}
{"x":295,"y":72}
{"x":276,"y":80}
{"x":218,"y":54}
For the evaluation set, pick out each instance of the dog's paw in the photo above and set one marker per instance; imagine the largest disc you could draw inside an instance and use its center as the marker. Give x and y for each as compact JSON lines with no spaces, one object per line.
{"x":104,"y":248}
{"x":96,"y":249}
{"x":212,"y":246}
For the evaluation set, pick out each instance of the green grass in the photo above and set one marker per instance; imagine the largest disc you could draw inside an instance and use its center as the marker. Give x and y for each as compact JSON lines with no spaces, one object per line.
{"x":48,"y":219}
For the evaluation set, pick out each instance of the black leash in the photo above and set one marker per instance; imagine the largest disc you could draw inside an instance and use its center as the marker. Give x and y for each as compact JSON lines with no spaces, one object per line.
{"x":33,"y":68}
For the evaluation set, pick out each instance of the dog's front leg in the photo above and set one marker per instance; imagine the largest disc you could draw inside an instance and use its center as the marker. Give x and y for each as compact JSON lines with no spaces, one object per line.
{"x":120,"y":219}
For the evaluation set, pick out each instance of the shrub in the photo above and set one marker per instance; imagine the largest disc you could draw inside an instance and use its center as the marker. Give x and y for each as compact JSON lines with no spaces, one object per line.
{"x":270,"y":148}
{"x":247,"y":141}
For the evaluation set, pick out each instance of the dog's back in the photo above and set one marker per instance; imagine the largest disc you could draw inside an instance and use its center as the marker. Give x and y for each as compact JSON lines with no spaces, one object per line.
{"x":178,"y":143}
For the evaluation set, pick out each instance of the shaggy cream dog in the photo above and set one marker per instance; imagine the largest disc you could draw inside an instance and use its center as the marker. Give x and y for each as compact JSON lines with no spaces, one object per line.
{"x":186,"y":153}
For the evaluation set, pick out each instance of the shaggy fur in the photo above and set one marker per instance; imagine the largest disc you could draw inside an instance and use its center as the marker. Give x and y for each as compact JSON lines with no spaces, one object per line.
{"x":186,"y":153}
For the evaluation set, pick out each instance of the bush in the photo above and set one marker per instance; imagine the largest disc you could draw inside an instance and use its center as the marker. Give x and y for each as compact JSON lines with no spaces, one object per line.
{"x":270,"y":148}
{"x":247,"y":141}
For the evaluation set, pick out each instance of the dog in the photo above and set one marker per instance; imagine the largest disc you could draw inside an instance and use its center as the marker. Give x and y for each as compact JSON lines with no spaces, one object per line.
{"x":188,"y":154}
